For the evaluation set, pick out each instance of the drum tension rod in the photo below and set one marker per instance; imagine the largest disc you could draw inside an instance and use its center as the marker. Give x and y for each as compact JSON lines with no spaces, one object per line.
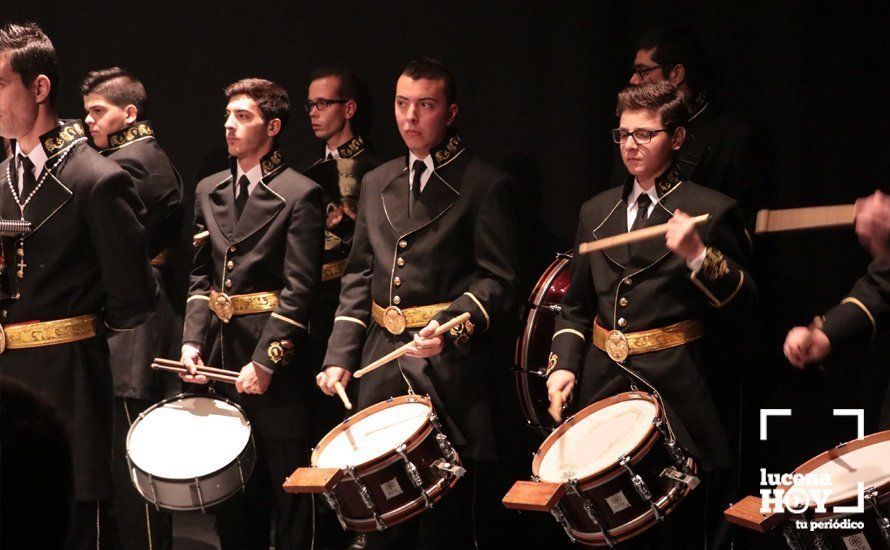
{"x":366,"y":498}
{"x":561,"y":518}
{"x":641,"y":487}
{"x":335,"y":506}
{"x":154,"y":490}
{"x":871,"y":495}
{"x":592,"y":512}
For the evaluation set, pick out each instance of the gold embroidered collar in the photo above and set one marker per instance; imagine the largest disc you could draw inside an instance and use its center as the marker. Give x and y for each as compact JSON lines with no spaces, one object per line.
{"x":272,"y":163}
{"x":57,"y":140}
{"x":352,"y":147}
{"x":449,"y":149}
{"x":130,"y":134}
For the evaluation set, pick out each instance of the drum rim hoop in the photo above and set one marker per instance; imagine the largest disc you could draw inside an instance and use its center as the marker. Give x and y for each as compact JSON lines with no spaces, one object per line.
{"x":846,"y":448}
{"x":366,"y":412}
{"x":597,"y":406}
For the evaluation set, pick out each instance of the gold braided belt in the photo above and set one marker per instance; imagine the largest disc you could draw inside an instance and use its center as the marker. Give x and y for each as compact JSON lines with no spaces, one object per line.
{"x":396,"y":320}
{"x":48,"y":333}
{"x":164,"y":258}
{"x":618,"y":345}
{"x":225,"y":307}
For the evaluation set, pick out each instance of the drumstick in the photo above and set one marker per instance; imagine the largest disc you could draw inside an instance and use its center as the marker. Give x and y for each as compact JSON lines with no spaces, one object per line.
{"x":633,"y":236}
{"x":556,"y":405}
{"x":342,"y":393}
{"x":209,"y":375}
{"x":770,"y":221}
{"x":393,"y":355}
{"x":204,"y":368}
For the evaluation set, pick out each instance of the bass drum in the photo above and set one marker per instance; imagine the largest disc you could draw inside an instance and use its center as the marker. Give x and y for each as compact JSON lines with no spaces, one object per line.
{"x":533,"y":344}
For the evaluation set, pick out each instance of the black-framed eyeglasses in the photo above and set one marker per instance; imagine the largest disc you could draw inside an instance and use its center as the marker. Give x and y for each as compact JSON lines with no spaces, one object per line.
{"x":640,"y":136}
{"x":322,"y":104}
{"x":643,"y":71}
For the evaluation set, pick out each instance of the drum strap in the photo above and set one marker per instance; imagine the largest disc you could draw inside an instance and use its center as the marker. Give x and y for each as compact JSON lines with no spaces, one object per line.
{"x":636,"y":376}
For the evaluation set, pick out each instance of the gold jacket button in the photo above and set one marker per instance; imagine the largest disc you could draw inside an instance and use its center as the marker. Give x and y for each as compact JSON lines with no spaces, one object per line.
{"x":228,"y":283}
{"x":400,"y":262}
{"x":622,"y":322}
{"x":233,"y":248}
{"x":623,"y":302}
{"x":628,"y":281}
{"x":403,"y":244}
{"x":396,"y":300}
{"x":397,"y":282}
{"x":230,"y":265}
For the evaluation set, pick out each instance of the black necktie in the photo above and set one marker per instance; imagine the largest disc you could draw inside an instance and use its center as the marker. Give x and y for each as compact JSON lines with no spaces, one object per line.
{"x":419,"y":169}
{"x":241,"y":199}
{"x":28,"y":181}
{"x":643,"y":202}
{"x":330,"y":157}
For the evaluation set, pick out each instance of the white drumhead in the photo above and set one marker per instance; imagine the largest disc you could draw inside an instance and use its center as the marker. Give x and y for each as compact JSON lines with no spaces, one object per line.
{"x":373,"y":436}
{"x":188,"y":438}
{"x":868,"y":465}
{"x":597,"y":441}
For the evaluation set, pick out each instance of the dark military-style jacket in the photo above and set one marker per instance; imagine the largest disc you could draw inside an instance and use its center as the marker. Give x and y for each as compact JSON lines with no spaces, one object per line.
{"x":159,"y":186}
{"x":457,"y":247}
{"x":85,"y":255}
{"x":645,"y":286}
{"x":863,"y":311}
{"x":356,"y":149}
{"x":274,"y":247}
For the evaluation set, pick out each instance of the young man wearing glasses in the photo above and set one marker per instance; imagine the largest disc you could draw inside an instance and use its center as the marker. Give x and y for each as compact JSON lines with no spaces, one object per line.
{"x":721,"y":150}
{"x":668,"y":287}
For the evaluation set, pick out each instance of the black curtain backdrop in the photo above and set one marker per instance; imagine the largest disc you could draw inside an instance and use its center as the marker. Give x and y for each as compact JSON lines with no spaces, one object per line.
{"x":537,"y":83}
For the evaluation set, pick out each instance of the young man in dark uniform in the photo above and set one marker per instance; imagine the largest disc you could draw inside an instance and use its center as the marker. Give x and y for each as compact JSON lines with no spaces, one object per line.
{"x":434,"y":239}
{"x":333,"y":107}
{"x":82,"y":270}
{"x":668,"y":288}
{"x":114,"y":101}
{"x":254,"y":275}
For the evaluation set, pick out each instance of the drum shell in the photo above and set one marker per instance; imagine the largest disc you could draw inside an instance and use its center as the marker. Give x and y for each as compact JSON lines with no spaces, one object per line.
{"x":200,"y":493}
{"x":533,"y":344}
{"x":422,"y":450}
{"x":831,"y":539}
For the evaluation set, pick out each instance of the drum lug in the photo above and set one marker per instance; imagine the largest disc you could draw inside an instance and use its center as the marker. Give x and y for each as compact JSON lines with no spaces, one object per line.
{"x":154,"y":489}
{"x":641,"y":487}
{"x":562,"y":520}
{"x":552,"y":308}
{"x":241,"y":475}
{"x":335,"y":506}
{"x":366,"y":498}
{"x":535,"y":478}
{"x":689,"y":480}
{"x":446,"y":448}
{"x":592,"y":513}
{"x":871,"y":495}
{"x":434,"y":420}
{"x":410,"y":468}
{"x":670,"y":443}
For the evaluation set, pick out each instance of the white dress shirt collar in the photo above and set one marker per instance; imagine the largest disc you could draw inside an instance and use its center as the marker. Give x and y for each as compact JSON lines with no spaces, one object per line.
{"x":254,"y":175}
{"x":425,"y":176}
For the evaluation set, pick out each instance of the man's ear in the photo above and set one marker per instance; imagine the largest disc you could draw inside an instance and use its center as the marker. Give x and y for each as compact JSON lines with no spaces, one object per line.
{"x":452,"y":113}
{"x":41,"y":88}
{"x":273,"y":127}
{"x":678,"y":138}
{"x":132,"y":114}
{"x":677,"y":74}
{"x":351,"y":108}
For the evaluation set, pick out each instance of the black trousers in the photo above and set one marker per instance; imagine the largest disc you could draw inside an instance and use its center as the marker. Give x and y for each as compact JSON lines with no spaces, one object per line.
{"x":244,"y":522}
{"x":449,"y":525}
{"x":91,"y":527}
{"x":140,"y":526}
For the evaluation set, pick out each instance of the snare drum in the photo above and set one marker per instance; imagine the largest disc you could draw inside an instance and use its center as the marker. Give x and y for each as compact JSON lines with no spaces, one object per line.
{"x":844,"y":467}
{"x":533,"y":344}
{"x":383,"y":465}
{"x":609,"y":472}
{"x":190,"y":452}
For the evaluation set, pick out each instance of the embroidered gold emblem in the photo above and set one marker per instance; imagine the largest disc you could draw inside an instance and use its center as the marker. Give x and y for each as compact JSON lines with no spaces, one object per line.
{"x":351,"y":148}
{"x":462,"y":332}
{"x":714,"y":265}
{"x":221,"y":304}
{"x":132,"y":133}
{"x":616,"y":346}
{"x":452,"y":147}
{"x":552,"y":361}
{"x":280,"y":351}
{"x":272,"y":162}
{"x":2,"y":340}
{"x":394,"y":320}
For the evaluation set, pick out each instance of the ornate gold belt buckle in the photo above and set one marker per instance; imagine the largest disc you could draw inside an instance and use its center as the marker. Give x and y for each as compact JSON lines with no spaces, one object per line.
{"x":222,"y":306}
{"x":394,"y":320}
{"x":617,"y":346}
{"x":2,"y":339}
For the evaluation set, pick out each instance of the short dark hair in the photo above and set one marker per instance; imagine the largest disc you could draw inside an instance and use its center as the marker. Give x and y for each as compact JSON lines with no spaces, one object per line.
{"x":117,"y":86}
{"x":31,"y":53}
{"x":432,"y":69}
{"x":661,"y":97}
{"x":679,"y":46}
{"x":271,"y":98}
{"x":348,"y":83}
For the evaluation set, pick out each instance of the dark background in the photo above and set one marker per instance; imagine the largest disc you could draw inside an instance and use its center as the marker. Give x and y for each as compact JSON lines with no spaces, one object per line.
{"x":537,"y":84}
